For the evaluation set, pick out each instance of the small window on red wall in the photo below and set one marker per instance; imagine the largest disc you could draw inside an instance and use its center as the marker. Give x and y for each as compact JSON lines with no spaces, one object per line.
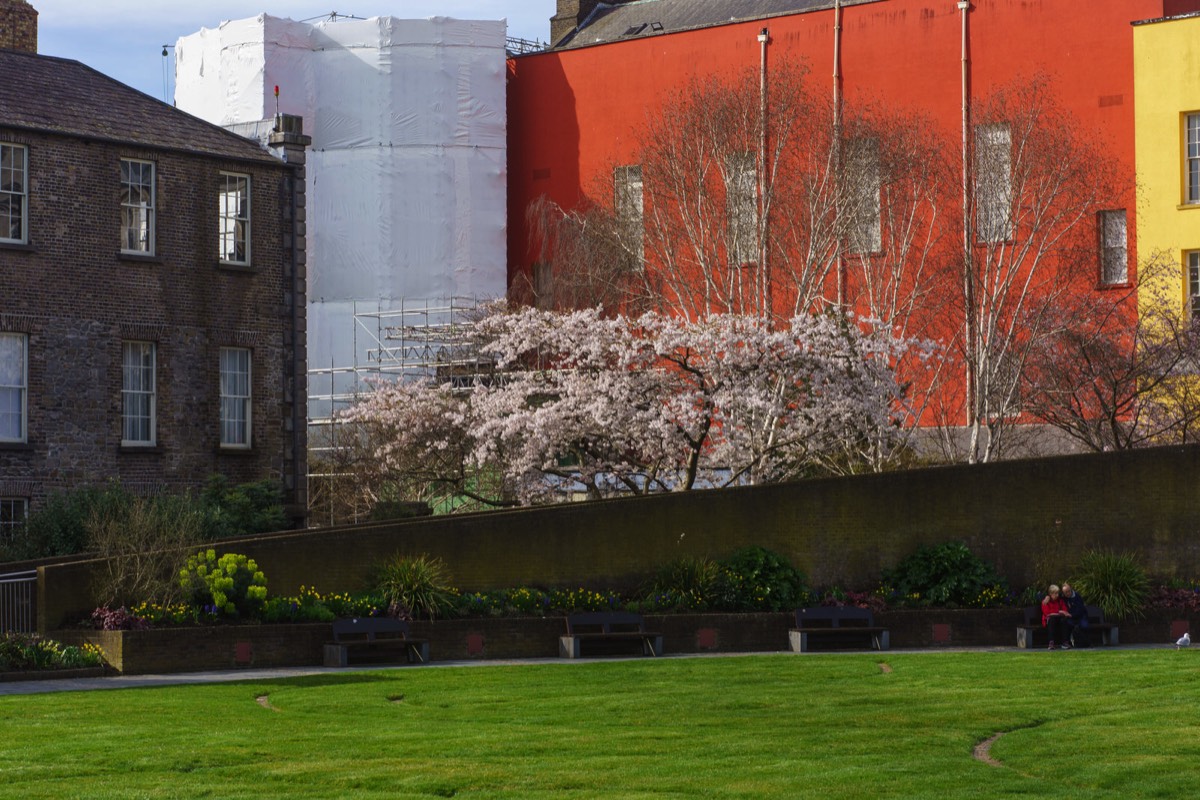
{"x":1114,"y":248}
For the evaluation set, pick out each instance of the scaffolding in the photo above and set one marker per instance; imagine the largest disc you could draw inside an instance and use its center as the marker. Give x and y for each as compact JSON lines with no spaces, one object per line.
{"x":420,"y":339}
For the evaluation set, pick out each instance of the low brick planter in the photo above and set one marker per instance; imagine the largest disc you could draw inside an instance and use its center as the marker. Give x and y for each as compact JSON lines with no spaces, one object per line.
{"x":184,"y":649}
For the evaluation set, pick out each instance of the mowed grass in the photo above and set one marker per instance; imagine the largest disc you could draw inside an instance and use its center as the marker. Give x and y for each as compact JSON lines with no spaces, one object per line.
{"x":1101,"y":723}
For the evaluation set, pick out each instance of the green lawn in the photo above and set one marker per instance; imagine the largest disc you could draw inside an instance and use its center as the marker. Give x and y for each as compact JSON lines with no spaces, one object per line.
{"x":1100,"y":723}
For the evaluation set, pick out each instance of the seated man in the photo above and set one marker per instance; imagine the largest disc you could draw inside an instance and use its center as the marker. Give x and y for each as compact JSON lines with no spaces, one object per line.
{"x":1079,"y":617}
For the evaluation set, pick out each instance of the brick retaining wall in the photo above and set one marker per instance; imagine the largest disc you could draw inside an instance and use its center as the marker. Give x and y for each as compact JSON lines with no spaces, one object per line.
{"x":169,"y":650}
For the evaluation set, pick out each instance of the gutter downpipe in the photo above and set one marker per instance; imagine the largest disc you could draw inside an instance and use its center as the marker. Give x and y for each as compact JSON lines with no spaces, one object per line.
{"x":964,"y":6}
{"x":764,"y":37}
{"x":837,"y":145}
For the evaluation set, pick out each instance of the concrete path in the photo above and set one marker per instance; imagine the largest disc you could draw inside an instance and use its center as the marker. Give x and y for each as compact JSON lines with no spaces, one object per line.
{"x":226,"y":676}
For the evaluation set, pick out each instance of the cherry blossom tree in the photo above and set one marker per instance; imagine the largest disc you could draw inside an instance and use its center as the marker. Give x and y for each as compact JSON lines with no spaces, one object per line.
{"x":584,"y":403}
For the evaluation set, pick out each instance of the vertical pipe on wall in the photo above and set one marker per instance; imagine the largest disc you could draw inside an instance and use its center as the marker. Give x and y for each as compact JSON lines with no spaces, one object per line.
{"x":837,"y":143}
{"x":964,"y":7}
{"x":765,"y":276}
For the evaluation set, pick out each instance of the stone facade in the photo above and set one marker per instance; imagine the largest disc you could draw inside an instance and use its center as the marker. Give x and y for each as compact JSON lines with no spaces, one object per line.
{"x":76,"y":299}
{"x":18,"y":26}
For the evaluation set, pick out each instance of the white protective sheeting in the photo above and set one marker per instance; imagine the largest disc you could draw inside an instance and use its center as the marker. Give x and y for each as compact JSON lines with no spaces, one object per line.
{"x":407,"y":170}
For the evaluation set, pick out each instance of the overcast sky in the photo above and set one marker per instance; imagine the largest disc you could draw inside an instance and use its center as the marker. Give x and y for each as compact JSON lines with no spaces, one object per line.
{"x":124,"y":38}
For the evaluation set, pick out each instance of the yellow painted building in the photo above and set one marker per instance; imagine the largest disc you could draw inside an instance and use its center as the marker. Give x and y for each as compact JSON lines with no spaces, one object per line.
{"x":1167,"y":145}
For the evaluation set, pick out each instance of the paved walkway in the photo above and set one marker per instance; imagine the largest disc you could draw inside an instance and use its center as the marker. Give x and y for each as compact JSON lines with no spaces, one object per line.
{"x":225,"y":676}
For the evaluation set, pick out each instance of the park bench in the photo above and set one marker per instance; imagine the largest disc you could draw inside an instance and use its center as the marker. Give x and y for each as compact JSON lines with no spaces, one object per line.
{"x":373,"y":635}
{"x":833,"y":624}
{"x":1109,"y":633}
{"x":601,"y":628}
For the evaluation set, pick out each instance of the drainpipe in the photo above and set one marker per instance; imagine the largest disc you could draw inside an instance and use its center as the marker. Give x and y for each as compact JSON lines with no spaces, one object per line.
{"x":837,"y":147}
{"x":964,"y":6}
{"x":764,"y":36}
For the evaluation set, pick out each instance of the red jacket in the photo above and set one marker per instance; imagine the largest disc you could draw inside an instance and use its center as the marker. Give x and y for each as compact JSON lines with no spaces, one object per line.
{"x":1052,"y":605}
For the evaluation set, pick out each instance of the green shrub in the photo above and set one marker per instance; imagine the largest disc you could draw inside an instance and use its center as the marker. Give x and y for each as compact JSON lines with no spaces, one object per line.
{"x":232,"y":583}
{"x":947,"y":574}
{"x":241,"y":510}
{"x":1114,"y":581}
{"x":416,"y":586}
{"x":688,"y":583}
{"x":757,"y":579}
{"x":59,"y":527}
{"x":25,"y":652}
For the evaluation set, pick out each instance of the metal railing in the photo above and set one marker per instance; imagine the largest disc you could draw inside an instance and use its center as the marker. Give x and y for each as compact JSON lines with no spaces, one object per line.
{"x":18,"y":598}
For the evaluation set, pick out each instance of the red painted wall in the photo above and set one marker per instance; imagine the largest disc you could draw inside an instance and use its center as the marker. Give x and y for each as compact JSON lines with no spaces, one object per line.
{"x":574,"y":114}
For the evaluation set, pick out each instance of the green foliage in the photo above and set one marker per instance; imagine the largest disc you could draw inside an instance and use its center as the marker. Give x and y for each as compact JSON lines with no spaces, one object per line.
{"x":59,"y":527}
{"x":947,"y":574}
{"x":241,"y":510}
{"x":309,"y":605}
{"x":689,"y":583}
{"x":416,"y":586}
{"x":24,"y":652}
{"x":1114,"y":581}
{"x":757,"y":579}
{"x":232,"y":584}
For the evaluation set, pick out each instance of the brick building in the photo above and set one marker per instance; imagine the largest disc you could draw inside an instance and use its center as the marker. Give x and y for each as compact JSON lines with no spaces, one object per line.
{"x":152,"y":325}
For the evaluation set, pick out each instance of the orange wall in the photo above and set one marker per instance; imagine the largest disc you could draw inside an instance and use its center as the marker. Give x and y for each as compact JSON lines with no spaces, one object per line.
{"x":576,"y":113}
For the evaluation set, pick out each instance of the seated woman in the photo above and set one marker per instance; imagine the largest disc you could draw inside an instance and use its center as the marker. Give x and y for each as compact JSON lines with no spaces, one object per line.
{"x":1056,"y":617}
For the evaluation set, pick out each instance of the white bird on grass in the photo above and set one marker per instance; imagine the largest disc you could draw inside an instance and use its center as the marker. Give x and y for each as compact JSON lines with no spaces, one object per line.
{"x":1183,"y":641}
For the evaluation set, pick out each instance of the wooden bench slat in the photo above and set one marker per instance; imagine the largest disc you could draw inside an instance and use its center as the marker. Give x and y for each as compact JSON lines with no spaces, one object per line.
{"x":370,"y":633}
{"x":596,"y":626}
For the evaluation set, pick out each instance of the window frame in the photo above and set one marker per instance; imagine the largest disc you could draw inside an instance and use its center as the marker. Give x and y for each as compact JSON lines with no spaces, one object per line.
{"x":1191,"y":158}
{"x":629,"y":200}
{"x":10,"y":523}
{"x":994,"y":223}
{"x":228,"y":398}
{"x":1191,"y":261}
{"x":146,"y":211}
{"x":228,"y":225}
{"x":862,"y":166}
{"x":22,"y":390}
{"x":1108,"y":247}
{"x":741,"y":208}
{"x":129,"y":393}
{"x":22,"y":196}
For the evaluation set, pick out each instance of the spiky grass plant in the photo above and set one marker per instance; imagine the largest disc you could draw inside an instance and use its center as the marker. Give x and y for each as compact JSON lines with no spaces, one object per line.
{"x":1113,"y":581}
{"x":419,"y":585}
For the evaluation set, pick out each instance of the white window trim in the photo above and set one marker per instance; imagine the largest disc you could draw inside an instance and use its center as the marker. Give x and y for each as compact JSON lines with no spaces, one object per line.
{"x":148,"y":210}
{"x":1191,"y":261}
{"x":863,"y":172}
{"x":246,"y":400}
{"x":629,"y":198}
{"x":993,"y":184}
{"x":225,"y":219}
{"x":1114,"y":247}
{"x":22,"y":388}
{"x":23,"y":195}
{"x":1191,"y":159}
{"x":741,"y":206}
{"x":127,"y":393}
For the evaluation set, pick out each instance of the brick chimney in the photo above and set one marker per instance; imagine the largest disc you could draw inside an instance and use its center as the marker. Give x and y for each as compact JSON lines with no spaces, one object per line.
{"x":18,"y":26}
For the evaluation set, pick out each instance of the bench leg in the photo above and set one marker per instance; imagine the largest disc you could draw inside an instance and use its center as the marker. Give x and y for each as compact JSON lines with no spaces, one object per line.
{"x":568,"y":647}
{"x":335,"y":655}
{"x":882,"y":641}
{"x":1023,"y":638}
{"x":417,"y":653}
{"x":652,"y":645}
{"x":1112,"y":636}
